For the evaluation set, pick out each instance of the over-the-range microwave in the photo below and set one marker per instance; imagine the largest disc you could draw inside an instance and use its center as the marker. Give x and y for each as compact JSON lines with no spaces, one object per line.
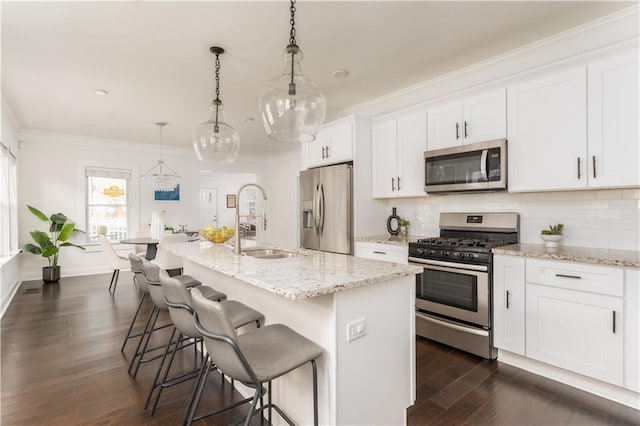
{"x":479,"y":166}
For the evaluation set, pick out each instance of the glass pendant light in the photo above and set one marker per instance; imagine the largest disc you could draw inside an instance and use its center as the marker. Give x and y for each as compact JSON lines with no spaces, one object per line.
{"x":161,"y":177}
{"x":215,"y":140}
{"x":292,"y":106}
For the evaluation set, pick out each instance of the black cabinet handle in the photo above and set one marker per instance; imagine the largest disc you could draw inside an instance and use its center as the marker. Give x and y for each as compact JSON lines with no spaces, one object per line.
{"x":323,"y":157}
{"x":508,"y":294}
{"x":380,"y":252}
{"x":466,"y":133}
{"x":398,"y":183}
{"x":614,"y":322}
{"x":577,"y":277}
{"x":579,"y":167}
{"x":594,"y":166}
{"x":327,"y":148}
{"x":457,"y":130}
{"x":393,"y":184}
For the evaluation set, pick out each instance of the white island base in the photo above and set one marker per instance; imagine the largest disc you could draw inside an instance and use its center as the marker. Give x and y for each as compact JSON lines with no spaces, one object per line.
{"x":369,"y":380}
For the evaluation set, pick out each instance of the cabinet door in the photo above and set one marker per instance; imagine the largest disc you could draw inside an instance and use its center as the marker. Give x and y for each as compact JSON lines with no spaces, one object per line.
{"x":412,"y":142}
{"x":383,"y":157}
{"x":312,"y":152}
{"x":578,"y":331}
{"x":339,"y":143}
{"x":509,"y":303}
{"x":485,"y":117}
{"x":444,"y":126}
{"x":385,"y":252}
{"x":614,"y":150}
{"x":546,"y":128}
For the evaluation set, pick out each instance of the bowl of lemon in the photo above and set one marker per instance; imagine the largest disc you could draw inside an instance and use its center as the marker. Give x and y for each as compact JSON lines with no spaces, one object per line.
{"x":217,"y":235}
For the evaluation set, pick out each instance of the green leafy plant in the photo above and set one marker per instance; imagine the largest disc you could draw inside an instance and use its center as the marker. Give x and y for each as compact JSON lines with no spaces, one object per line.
{"x":48,"y":244}
{"x":404,"y":222}
{"x":553,"y":230}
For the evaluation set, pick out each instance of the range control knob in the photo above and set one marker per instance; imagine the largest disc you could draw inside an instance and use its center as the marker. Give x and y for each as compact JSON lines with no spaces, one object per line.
{"x":469,"y":256}
{"x":431,"y":252}
{"x":420,"y":251}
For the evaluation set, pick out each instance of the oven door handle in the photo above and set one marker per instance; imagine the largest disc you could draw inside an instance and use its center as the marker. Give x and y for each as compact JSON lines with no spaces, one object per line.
{"x":453,"y":326}
{"x":419,"y":262}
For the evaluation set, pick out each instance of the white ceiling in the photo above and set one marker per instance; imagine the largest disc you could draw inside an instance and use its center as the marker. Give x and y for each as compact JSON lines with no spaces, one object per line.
{"x":153,"y":57}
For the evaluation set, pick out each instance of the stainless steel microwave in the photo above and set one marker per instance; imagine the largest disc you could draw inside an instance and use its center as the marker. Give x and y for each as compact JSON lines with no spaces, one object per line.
{"x":480,"y":166}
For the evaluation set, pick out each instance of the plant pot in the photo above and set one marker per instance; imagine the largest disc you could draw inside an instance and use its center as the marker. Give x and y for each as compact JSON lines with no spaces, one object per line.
{"x":551,"y":240}
{"x":51,"y":274}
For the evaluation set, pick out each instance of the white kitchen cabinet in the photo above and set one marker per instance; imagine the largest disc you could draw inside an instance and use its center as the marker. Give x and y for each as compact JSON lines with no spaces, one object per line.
{"x":398,"y":147}
{"x":574,"y":318}
{"x":475,"y":119}
{"x":613,"y":147}
{"x":386,"y":252}
{"x":509,"y":303}
{"x":334,"y":144}
{"x":547,"y":132}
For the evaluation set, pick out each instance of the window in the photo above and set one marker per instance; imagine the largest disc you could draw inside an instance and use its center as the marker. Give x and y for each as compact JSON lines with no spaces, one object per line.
{"x":107,"y":205}
{"x":8,"y":202}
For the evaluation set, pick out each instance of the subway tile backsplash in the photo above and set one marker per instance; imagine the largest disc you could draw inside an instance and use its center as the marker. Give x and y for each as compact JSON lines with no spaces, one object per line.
{"x":592,"y":218}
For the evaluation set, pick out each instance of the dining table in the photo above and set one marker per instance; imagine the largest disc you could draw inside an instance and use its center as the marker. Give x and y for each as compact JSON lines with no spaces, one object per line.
{"x":151,"y":243}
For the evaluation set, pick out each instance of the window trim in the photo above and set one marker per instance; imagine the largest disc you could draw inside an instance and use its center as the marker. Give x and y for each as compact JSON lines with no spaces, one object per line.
{"x":133,"y":199}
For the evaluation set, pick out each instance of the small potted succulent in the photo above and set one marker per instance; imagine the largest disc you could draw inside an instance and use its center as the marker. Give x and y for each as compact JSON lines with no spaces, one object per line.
{"x":404,"y":228}
{"x":552,"y":235}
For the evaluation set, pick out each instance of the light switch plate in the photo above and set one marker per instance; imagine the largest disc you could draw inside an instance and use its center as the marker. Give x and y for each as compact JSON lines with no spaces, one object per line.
{"x":356,"y":329}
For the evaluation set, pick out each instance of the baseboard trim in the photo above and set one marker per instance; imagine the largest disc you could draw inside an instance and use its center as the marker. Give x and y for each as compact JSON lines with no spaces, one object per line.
{"x":8,"y":300}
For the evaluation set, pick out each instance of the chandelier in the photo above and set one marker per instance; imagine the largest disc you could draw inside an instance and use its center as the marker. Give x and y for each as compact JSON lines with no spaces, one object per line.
{"x":215,"y":140}
{"x":292,"y":106}
{"x":161,"y":177}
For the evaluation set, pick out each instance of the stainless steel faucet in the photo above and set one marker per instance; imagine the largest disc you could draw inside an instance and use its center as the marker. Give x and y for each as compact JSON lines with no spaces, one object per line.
{"x":237,"y":247}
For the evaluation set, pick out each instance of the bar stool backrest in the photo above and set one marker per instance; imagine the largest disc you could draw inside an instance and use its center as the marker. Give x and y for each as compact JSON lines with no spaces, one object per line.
{"x":152,"y":277}
{"x":138,"y":272}
{"x":178,"y":299}
{"x":220,"y":338}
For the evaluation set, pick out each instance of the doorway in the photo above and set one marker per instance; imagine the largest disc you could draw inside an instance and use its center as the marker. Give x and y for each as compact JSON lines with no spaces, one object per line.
{"x":208,"y":207}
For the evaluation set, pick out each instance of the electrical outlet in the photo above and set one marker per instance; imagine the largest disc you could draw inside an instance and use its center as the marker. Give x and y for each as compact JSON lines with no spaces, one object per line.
{"x":356,"y":329}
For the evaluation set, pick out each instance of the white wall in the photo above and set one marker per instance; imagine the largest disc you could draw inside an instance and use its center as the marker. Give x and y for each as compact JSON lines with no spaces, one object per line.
{"x":9,"y":268}
{"x":227,"y":183}
{"x":47,"y":180}
{"x":595,"y":218}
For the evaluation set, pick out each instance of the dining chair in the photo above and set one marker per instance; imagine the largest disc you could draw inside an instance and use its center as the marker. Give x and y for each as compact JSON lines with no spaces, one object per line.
{"x":114,"y":261}
{"x":166,"y":260}
{"x":141,"y":249}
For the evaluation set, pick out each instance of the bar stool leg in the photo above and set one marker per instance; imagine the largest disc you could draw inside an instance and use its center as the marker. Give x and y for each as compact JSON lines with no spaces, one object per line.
{"x":198,"y":395}
{"x":154,"y":383}
{"x":133,"y":321}
{"x":144,"y":334}
{"x":315,"y":393}
{"x":146,"y":343}
{"x":166,"y":372}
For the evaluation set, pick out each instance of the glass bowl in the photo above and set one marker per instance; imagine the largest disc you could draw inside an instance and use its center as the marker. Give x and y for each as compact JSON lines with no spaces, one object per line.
{"x":217,"y":235}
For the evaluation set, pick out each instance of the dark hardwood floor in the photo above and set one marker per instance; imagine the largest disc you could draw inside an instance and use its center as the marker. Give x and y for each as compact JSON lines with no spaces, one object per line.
{"x":61,"y":364}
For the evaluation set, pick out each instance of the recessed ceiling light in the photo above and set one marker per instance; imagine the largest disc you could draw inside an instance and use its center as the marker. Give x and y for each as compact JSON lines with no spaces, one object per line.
{"x":249,"y":120}
{"x":101,"y":92}
{"x":340,"y":73}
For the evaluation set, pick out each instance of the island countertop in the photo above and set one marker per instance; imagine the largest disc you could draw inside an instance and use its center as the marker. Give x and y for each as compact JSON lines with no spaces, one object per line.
{"x":310,"y":274}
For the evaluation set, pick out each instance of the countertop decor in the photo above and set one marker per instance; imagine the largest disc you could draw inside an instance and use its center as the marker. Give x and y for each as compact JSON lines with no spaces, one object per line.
{"x":309,"y":274}
{"x":599,"y":256}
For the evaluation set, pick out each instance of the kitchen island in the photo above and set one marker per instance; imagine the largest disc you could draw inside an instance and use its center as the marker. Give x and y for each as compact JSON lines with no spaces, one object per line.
{"x":368,"y":379}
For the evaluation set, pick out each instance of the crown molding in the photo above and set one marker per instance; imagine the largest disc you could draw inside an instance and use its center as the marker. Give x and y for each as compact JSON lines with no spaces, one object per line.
{"x":608,"y":32}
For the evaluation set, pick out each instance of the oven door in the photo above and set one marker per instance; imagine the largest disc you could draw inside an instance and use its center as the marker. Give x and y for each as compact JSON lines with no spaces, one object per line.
{"x":455,"y":290}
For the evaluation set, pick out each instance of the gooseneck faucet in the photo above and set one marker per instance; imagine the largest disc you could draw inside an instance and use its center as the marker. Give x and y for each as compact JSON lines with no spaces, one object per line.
{"x":237,"y":247}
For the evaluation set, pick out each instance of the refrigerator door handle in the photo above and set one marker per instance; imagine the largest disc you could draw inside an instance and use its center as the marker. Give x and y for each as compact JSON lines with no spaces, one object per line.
{"x":315,"y":210}
{"x":321,"y":197}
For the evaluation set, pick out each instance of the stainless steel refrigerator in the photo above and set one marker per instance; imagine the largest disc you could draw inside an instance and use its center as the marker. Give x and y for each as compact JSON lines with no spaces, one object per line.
{"x":326,"y":209}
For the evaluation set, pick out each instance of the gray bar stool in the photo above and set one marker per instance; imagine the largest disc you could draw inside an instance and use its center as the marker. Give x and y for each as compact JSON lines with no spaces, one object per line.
{"x":152,"y":279}
{"x":178,"y":300}
{"x":255,"y":357}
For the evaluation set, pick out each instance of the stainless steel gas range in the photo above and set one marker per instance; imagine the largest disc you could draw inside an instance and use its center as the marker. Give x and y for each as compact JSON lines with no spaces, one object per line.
{"x":455,"y":291}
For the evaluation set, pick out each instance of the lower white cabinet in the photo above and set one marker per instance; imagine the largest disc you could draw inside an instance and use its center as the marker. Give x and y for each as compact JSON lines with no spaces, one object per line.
{"x":386,"y":252}
{"x":578,"y":331}
{"x":575,"y":316}
{"x":509,"y":303}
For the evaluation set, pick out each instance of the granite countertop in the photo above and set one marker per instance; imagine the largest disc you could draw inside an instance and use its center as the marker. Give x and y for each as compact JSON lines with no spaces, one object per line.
{"x":310,"y":274}
{"x":625,"y":258}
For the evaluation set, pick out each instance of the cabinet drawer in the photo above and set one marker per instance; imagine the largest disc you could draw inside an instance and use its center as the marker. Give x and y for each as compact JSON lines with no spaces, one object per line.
{"x":385,"y":252}
{"x":576,"y":276}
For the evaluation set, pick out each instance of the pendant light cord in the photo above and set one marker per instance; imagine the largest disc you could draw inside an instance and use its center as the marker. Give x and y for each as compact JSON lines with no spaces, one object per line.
{"x":217,"y":101}
{"x":292,"y":43}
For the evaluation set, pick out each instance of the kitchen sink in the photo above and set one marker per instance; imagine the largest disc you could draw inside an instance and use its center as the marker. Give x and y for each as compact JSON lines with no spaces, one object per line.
{"x":268,"y":253}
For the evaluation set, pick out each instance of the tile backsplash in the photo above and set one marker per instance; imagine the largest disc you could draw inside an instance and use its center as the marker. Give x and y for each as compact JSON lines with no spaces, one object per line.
{"x":592,"y":218}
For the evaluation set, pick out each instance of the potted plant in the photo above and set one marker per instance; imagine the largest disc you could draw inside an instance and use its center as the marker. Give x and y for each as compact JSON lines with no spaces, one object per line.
{"x":552,"y":235}
{"x":48,"y":244}
{"x":404,"y":228}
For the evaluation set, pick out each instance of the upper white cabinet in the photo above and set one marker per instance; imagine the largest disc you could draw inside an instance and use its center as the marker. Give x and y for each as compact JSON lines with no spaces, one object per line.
{"x":334,"y":144}
{"x":509,"y":303}
{"x":398,"y":147}
{"x":547,"y":132}
{"x":475,"y":119}
{"x":613,"y":112}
